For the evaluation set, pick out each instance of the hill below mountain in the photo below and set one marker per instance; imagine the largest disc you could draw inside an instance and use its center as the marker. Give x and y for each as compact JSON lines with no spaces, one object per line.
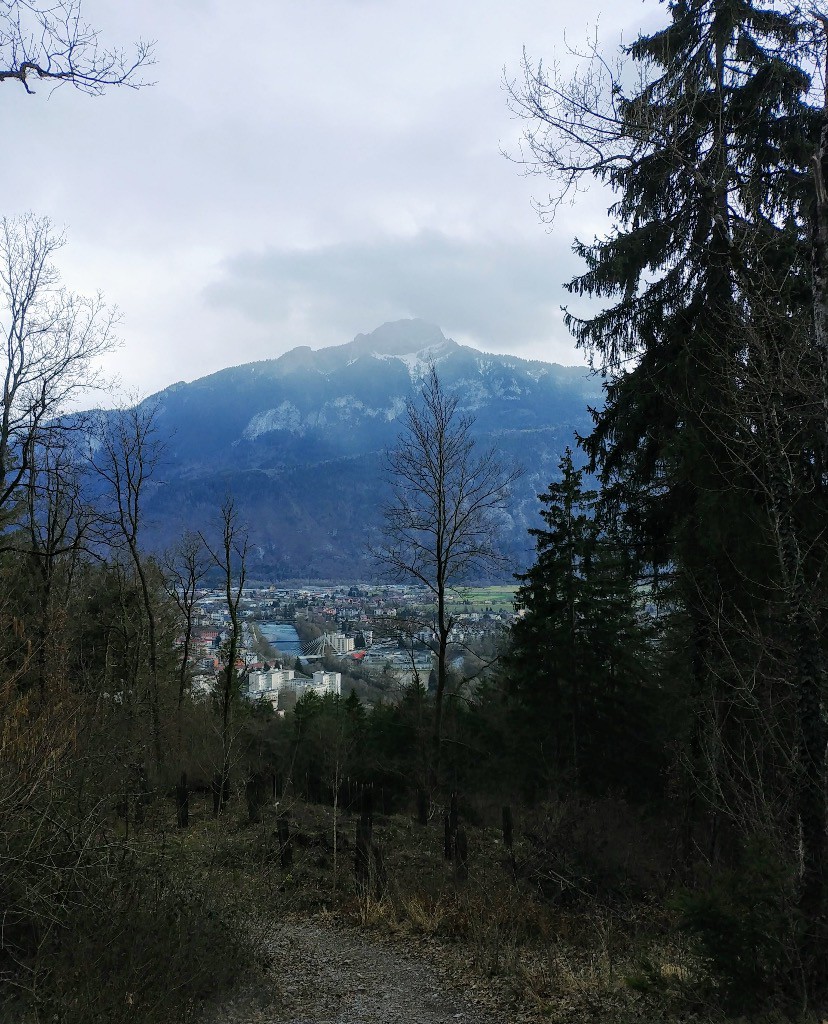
{"x":299,"y":441}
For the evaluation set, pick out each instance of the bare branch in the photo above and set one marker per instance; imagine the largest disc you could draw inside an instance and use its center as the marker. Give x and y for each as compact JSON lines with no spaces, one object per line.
{"x":49,"y":40}
{"x":51,"y":339}
{"x":439,"y":524}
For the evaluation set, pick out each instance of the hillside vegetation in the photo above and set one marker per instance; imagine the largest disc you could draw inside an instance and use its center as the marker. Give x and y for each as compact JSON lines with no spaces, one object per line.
{"x":619,"y":810}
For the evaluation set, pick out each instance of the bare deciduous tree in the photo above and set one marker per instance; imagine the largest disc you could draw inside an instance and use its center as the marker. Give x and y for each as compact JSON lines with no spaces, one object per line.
{"x":51,"y":339}
{"x":126,"y":451}
{"x":440,"y":524}
{"x":50,"y":40}
{"x":573,"y":128}
{"x":184,"y":568}
{"x":58,"y":520}
{"x":230,"y":556}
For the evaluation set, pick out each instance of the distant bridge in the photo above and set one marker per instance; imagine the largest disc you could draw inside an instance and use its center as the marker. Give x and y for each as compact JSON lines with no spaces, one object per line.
{"x":315,"y":649}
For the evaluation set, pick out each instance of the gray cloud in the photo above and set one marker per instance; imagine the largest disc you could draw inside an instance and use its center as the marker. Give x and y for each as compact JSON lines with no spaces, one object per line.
{"x":301,"y":172}
{"x":495,"y":294}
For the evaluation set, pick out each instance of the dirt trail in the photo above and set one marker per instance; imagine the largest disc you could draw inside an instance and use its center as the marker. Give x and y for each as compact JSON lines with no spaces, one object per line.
{"x":324,"y":974}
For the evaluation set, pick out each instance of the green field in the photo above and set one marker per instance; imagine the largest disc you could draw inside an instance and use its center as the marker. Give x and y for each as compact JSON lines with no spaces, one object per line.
{"x":478,"y":599}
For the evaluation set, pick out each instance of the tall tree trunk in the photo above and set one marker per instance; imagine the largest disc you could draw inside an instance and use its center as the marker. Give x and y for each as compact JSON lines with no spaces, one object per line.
{"x":442,"y":655}
{"x":813,"y":733}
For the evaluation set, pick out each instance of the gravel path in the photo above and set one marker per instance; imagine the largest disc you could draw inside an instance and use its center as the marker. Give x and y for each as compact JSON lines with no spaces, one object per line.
{"x":323,"y":974}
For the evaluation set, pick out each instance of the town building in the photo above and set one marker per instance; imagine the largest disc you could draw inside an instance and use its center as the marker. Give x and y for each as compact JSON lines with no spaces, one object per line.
{"x":341,"y":644}
{"x":268,"y":685}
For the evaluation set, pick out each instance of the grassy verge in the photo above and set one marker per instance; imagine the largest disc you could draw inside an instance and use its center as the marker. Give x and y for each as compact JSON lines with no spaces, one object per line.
{"x":108,"y":928}
{"x":528,"y":941}
{"x":560,"y":928}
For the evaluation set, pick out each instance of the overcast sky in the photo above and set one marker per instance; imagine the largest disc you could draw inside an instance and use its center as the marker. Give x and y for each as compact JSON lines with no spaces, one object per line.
{"x":304,"y":170}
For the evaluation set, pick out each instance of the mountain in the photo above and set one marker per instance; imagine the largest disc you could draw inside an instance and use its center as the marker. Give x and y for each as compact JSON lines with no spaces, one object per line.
{"x":299,"y":441}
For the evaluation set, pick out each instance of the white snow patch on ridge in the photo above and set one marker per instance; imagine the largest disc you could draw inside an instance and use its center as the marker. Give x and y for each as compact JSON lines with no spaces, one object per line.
{"x":349,"y":407}
{"x":346,"y":409}
{"x":396,"y":409}
{"x":419,"y":363}
{"x":472,"y":392}
{"x":284,"y":417}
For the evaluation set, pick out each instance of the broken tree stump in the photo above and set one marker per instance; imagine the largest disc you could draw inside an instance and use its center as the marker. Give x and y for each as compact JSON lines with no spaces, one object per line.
{"x":255,"y":792}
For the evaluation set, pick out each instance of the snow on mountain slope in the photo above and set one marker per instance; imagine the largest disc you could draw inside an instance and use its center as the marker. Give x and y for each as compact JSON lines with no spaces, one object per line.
{"x":300,"y":441}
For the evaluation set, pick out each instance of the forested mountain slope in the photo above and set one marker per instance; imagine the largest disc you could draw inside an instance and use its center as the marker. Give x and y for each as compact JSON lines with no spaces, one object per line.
{"x":299,"y":441}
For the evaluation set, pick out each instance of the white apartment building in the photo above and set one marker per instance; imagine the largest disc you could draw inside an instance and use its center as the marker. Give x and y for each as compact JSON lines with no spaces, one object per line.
{"x":341,"y":644}
{"x":327,"y":682}
{"x":271,"y":681}
{"x":268,"y":685}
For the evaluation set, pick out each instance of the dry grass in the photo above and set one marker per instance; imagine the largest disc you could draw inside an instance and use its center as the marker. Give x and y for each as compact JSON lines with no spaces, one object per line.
{"x":575,"y":957}
{"x":568,"y":959}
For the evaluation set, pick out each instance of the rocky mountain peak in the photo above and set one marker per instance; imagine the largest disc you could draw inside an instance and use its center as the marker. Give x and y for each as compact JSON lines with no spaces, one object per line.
{"x":299,"y":441}
{"x":401,"y":338}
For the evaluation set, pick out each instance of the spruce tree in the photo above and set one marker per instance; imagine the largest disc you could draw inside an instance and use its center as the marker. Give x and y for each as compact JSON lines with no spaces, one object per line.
{"x":701,"y":158}
{"x":712,"y":440}
{"x":581,"y":664}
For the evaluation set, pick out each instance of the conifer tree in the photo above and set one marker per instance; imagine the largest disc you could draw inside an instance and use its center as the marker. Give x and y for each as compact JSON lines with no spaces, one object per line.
{"x":701,"y":157}
{"x":580,"y":664}
{"x":713,"y":433}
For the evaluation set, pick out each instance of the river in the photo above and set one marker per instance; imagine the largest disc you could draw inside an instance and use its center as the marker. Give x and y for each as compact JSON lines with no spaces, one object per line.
{"x":282,"y":635}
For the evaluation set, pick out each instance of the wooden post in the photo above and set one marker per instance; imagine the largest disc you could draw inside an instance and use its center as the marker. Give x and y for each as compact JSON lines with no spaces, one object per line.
{"x":461,"y":855}
{"x":367,"y":806}
{"x":380,"y":875}
{"x":253,"y":792}
{"x":451,"y":828}
{"x":509,"y":837}
{"x":285,"y":842}
{"x":216,"y":789}
{"x":362,"y":857}
{"x":182,"y":802}
{"x":422,"y":806}
{"x":142,"y":799}
{"x":364,"y":836}
{"x":507,"y":827}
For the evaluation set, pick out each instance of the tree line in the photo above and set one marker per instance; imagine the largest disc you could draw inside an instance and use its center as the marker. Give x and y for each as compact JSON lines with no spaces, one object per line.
{"x":669,"y":652}
{"x":710,"y":449}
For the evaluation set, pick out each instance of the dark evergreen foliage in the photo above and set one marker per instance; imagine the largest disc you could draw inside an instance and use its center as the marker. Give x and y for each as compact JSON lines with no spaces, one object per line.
{"x":711,"y":445}
{"x":582,"y":667}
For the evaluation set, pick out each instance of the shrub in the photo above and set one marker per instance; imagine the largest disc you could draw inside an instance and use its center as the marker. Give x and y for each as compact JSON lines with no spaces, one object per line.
{"x":147,"y":949}
{"x":748,"y":928}
{"x":96,"y":928}
{"x":592,"y":848}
